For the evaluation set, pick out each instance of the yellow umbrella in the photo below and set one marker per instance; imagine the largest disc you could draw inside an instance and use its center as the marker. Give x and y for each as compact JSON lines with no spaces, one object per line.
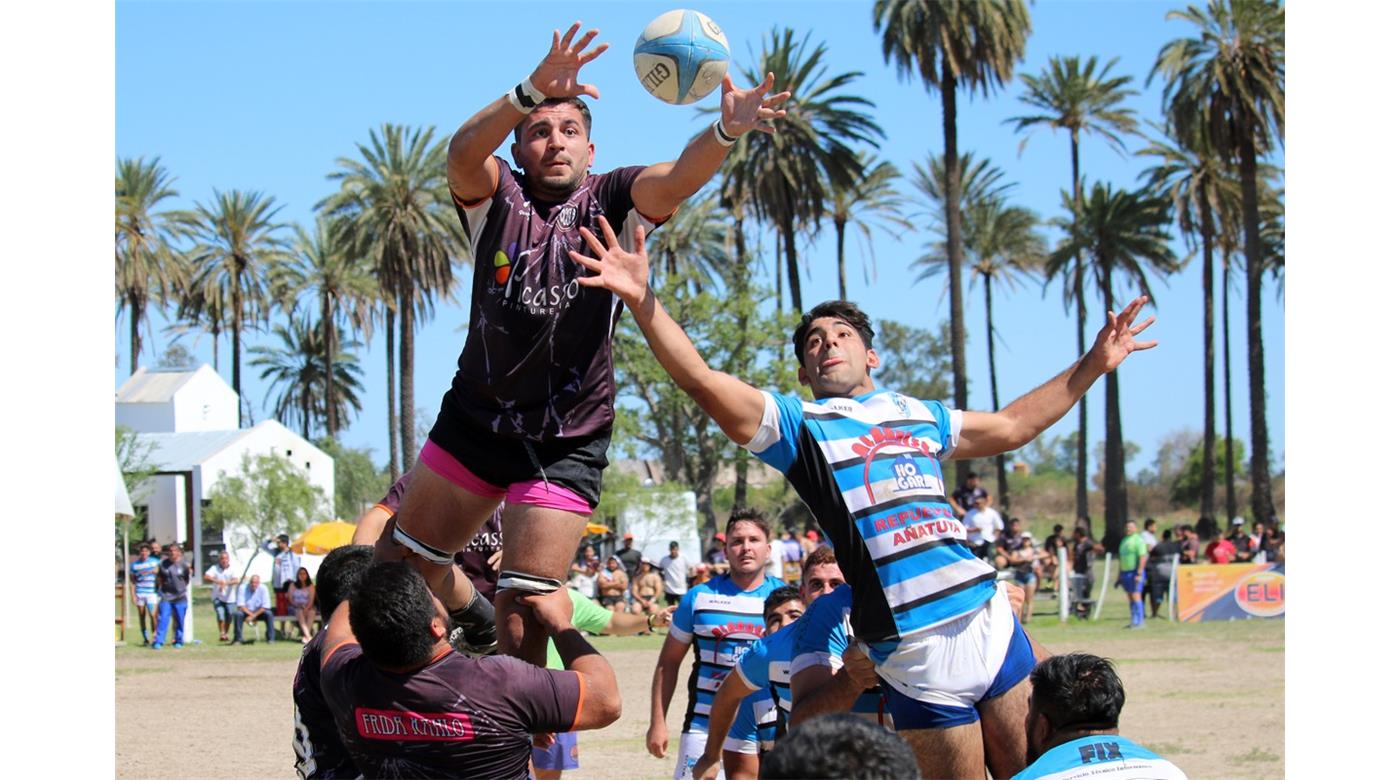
{"x":595,"y":528}
{"x":321,"y":538}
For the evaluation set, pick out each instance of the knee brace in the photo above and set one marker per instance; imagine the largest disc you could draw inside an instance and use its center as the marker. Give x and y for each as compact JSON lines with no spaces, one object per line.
{"x":473,"y":630}
{"x":530,"y":583}
{"x":425,"y":551}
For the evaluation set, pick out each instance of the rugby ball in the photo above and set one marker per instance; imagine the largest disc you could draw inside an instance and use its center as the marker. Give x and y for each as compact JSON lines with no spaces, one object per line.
{"x":681,"y":56}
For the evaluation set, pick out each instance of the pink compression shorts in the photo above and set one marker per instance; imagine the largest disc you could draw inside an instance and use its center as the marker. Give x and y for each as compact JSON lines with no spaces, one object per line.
{"x":536,"y":492}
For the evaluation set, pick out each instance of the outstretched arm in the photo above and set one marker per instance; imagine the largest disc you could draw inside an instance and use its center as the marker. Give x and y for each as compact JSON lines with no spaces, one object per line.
{"x":471,"y":173}
{"x":725,"y":705}
{"x":660,"y":188}
{"x":736,"y":406}
{"x":990,"y":433}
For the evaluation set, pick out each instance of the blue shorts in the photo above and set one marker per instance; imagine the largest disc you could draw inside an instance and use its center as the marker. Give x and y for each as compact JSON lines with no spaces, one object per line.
{"x":1023,"y":577}
{"x":563,"y":754}
{"x":224,"y":611}
{"x":953,"y":677}
{"x":1128,"y":581}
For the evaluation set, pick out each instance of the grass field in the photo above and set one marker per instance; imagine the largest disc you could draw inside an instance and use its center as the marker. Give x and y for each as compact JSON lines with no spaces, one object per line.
{"x":1209,"y":696}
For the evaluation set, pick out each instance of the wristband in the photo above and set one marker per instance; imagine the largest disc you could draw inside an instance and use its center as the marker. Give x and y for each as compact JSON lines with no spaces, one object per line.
{"x":725,"y":139}
{"x":524,"y":96}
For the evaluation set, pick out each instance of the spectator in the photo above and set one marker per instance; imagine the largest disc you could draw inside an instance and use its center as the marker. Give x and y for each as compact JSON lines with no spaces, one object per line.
{"x":810,"y":541}
{"x":173,"y":584}
{"x":630,"y":556}
{"x":964,"y":499}
{"x":612,"y":585}
{"x":284,"y":571}
{"x":775,"y":560}
{"x":1190,"y":545}
{"x":1007,"y":542}
{"x":583,"y":574}
{"x":1220,"y":549}
{"x":646,"y":590}
{"x":1072,"y":725}
{"x":1149,"y":533}
{"x":143,"y":589}
{"x":224,"y":593}
{"x":1051,"y":554}
{"x":1272,"y":544}
{"x":675,"y":571}
{"x":253,"y":606}
{"x":714,"y":554}
{"x":840,"y":745}
{"x":1084,"y":549}
{"x":1207,"y":529}
{"x":302,"y":599}
{"x":1132,"y":567}
{"x":1244,"y":548}
{"x":983,"y":523}
{"x":1023,"y":560}
{"x":1159,"y":569}
{"x":792,"y":558}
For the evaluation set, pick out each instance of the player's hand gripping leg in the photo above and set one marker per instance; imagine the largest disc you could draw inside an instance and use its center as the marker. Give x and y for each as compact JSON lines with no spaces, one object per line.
{"x":537,"y":545}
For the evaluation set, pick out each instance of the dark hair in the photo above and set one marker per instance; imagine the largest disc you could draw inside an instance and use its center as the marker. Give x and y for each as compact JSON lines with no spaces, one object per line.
{"x":1077,"y":691}
{"x":780,"y":596}
{"x":559,"y":101}
{"x":284,"y":538}
{"x":817,"y":557}
{"x":340,"y":575}
{"x":390,"y":613}
{"x":840,"y":745}
{"x":1059,"y":528}
{"x":841,"y":310}
{"x":747,"y":514}
{"x":1150,"y":522}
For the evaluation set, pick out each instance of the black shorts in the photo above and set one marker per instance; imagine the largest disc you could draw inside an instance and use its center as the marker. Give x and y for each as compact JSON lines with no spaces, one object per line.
{"x":575,"y":463}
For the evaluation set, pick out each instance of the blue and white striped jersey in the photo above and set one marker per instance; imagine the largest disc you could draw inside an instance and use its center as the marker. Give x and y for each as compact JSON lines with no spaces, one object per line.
{"x":143,"y":575}
{"x":1100,"y":757}
{"x":822,"y":636}
{"x":869,"y":469}
{"x":755,"y":726}
{"x":722,"y":621}
{"x":766,"y":666}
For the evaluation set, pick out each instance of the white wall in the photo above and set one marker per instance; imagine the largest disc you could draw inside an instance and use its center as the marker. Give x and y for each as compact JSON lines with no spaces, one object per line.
{"x":205,"y":403}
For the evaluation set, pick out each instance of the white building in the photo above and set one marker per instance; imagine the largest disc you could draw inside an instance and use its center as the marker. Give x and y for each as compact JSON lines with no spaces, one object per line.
{"x":188,"y":420}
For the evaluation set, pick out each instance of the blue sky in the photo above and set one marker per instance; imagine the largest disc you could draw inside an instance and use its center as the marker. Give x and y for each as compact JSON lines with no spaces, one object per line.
{"x":264,"y":96}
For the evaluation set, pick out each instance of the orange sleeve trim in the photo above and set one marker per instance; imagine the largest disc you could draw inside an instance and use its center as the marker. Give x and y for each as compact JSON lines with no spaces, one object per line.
{"x":495,"y":182}
{"x":326,"y":657}
{"x":661,"y":221}
{"x":582,"y":691}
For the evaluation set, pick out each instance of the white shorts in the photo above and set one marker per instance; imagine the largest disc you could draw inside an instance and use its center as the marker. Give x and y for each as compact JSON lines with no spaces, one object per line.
{"x":151,"y":601}
{"x":958,"y":664}
{"x":691,"y":748}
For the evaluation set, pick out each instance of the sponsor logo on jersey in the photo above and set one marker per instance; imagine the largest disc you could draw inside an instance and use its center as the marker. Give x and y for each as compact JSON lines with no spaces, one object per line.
{"x":568,"y":217}
{"x":736,"y":628}
{"x":406,"y":726}
{"x":908,"y":477}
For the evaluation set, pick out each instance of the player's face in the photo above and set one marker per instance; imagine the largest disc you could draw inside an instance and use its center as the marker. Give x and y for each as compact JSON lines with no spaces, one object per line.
{"x":747,"y":549}
{"x":554,"y":151}
{"x":821,"y":580}
{"x":835,"y":361}
{"x":782,"y":614}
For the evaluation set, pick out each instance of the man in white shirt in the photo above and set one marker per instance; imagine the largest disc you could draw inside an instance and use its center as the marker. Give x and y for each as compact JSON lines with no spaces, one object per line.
{"x":254,"y":607}
{"x":224,"y":593}
{"x":983,"y":523}
{"x":674,"y":571}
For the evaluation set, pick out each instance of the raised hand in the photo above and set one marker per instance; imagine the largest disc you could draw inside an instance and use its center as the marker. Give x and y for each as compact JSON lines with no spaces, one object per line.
{"x":742,"y":110}
{"x":1116,"y":340}
{"x":624,"y":273}
{"x":557,"y":73}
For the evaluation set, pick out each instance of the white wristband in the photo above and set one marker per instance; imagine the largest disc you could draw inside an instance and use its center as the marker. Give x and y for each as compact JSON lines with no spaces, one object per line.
{"x":524,"y":96}
{"x":724,"y":139}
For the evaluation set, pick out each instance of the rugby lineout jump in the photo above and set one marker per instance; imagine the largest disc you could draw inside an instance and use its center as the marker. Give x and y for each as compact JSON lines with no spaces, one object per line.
{"x":529,"y":415}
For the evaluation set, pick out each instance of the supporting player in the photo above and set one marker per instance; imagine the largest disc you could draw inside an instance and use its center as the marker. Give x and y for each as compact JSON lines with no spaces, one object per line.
{"x":719,"y":618}
{"x":867,"y":462}
{"x":1072,"y":729}
{"x":529,"y":414}
{"x":763,"y":671}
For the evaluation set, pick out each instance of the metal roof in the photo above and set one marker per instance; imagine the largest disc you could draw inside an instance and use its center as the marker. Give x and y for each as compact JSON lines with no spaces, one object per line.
{"x":184,"y":451}
{"x":152,"y":386}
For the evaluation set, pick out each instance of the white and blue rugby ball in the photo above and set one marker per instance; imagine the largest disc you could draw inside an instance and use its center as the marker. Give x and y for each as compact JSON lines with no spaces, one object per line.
{"x":681,"y":56}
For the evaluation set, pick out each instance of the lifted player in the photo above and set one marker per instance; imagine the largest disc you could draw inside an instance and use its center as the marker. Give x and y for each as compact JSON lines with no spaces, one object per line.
{"x":529,"y":414}
{"x":867,"y":462}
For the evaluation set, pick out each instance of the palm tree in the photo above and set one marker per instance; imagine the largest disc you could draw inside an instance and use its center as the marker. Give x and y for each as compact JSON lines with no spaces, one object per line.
{"x":786,"y":182}
{"x":328,"y":265}
{"x":870,"y":200}
{"x":692,"y":241}
{"x":296,"y":372}
{"x":1004,"y":245}
{"x":977,"y":43}
{"x":237,"y":246}
{"x":1202,"y":193}
{"x":149,"y":268}
{"x":1229,"y":78}
{"x":201,"y":308}
{"x":395,"y":197}
{"x":1081,"y":101}
{"x":1117,"y":232}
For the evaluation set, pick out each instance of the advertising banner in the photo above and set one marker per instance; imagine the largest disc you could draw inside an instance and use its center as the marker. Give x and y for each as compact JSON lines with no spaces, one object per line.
{"x":1232,"y":591}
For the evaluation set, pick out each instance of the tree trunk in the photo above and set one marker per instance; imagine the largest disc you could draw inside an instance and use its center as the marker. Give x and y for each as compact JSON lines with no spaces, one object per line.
{"x":1231,"y":506}
{"x":841,"y":259}
{"x":1208,"y":323}
{"x":1003,"y":492}
{"x":952,"y":214}
{"x":214,"y":341}
{"x":394,"y":471}
{"x":789,"y":229}
{"x":1115,"y":491}
{"x":328,"y":328}
{"x":778,"y":270}
{"x":237,"y":346}
{"x":1081,"y":451}
{"x":1261,"y":500}
{"x":407,"y":416}
{"x":135,"y":311}
{"x":740,"y":284}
